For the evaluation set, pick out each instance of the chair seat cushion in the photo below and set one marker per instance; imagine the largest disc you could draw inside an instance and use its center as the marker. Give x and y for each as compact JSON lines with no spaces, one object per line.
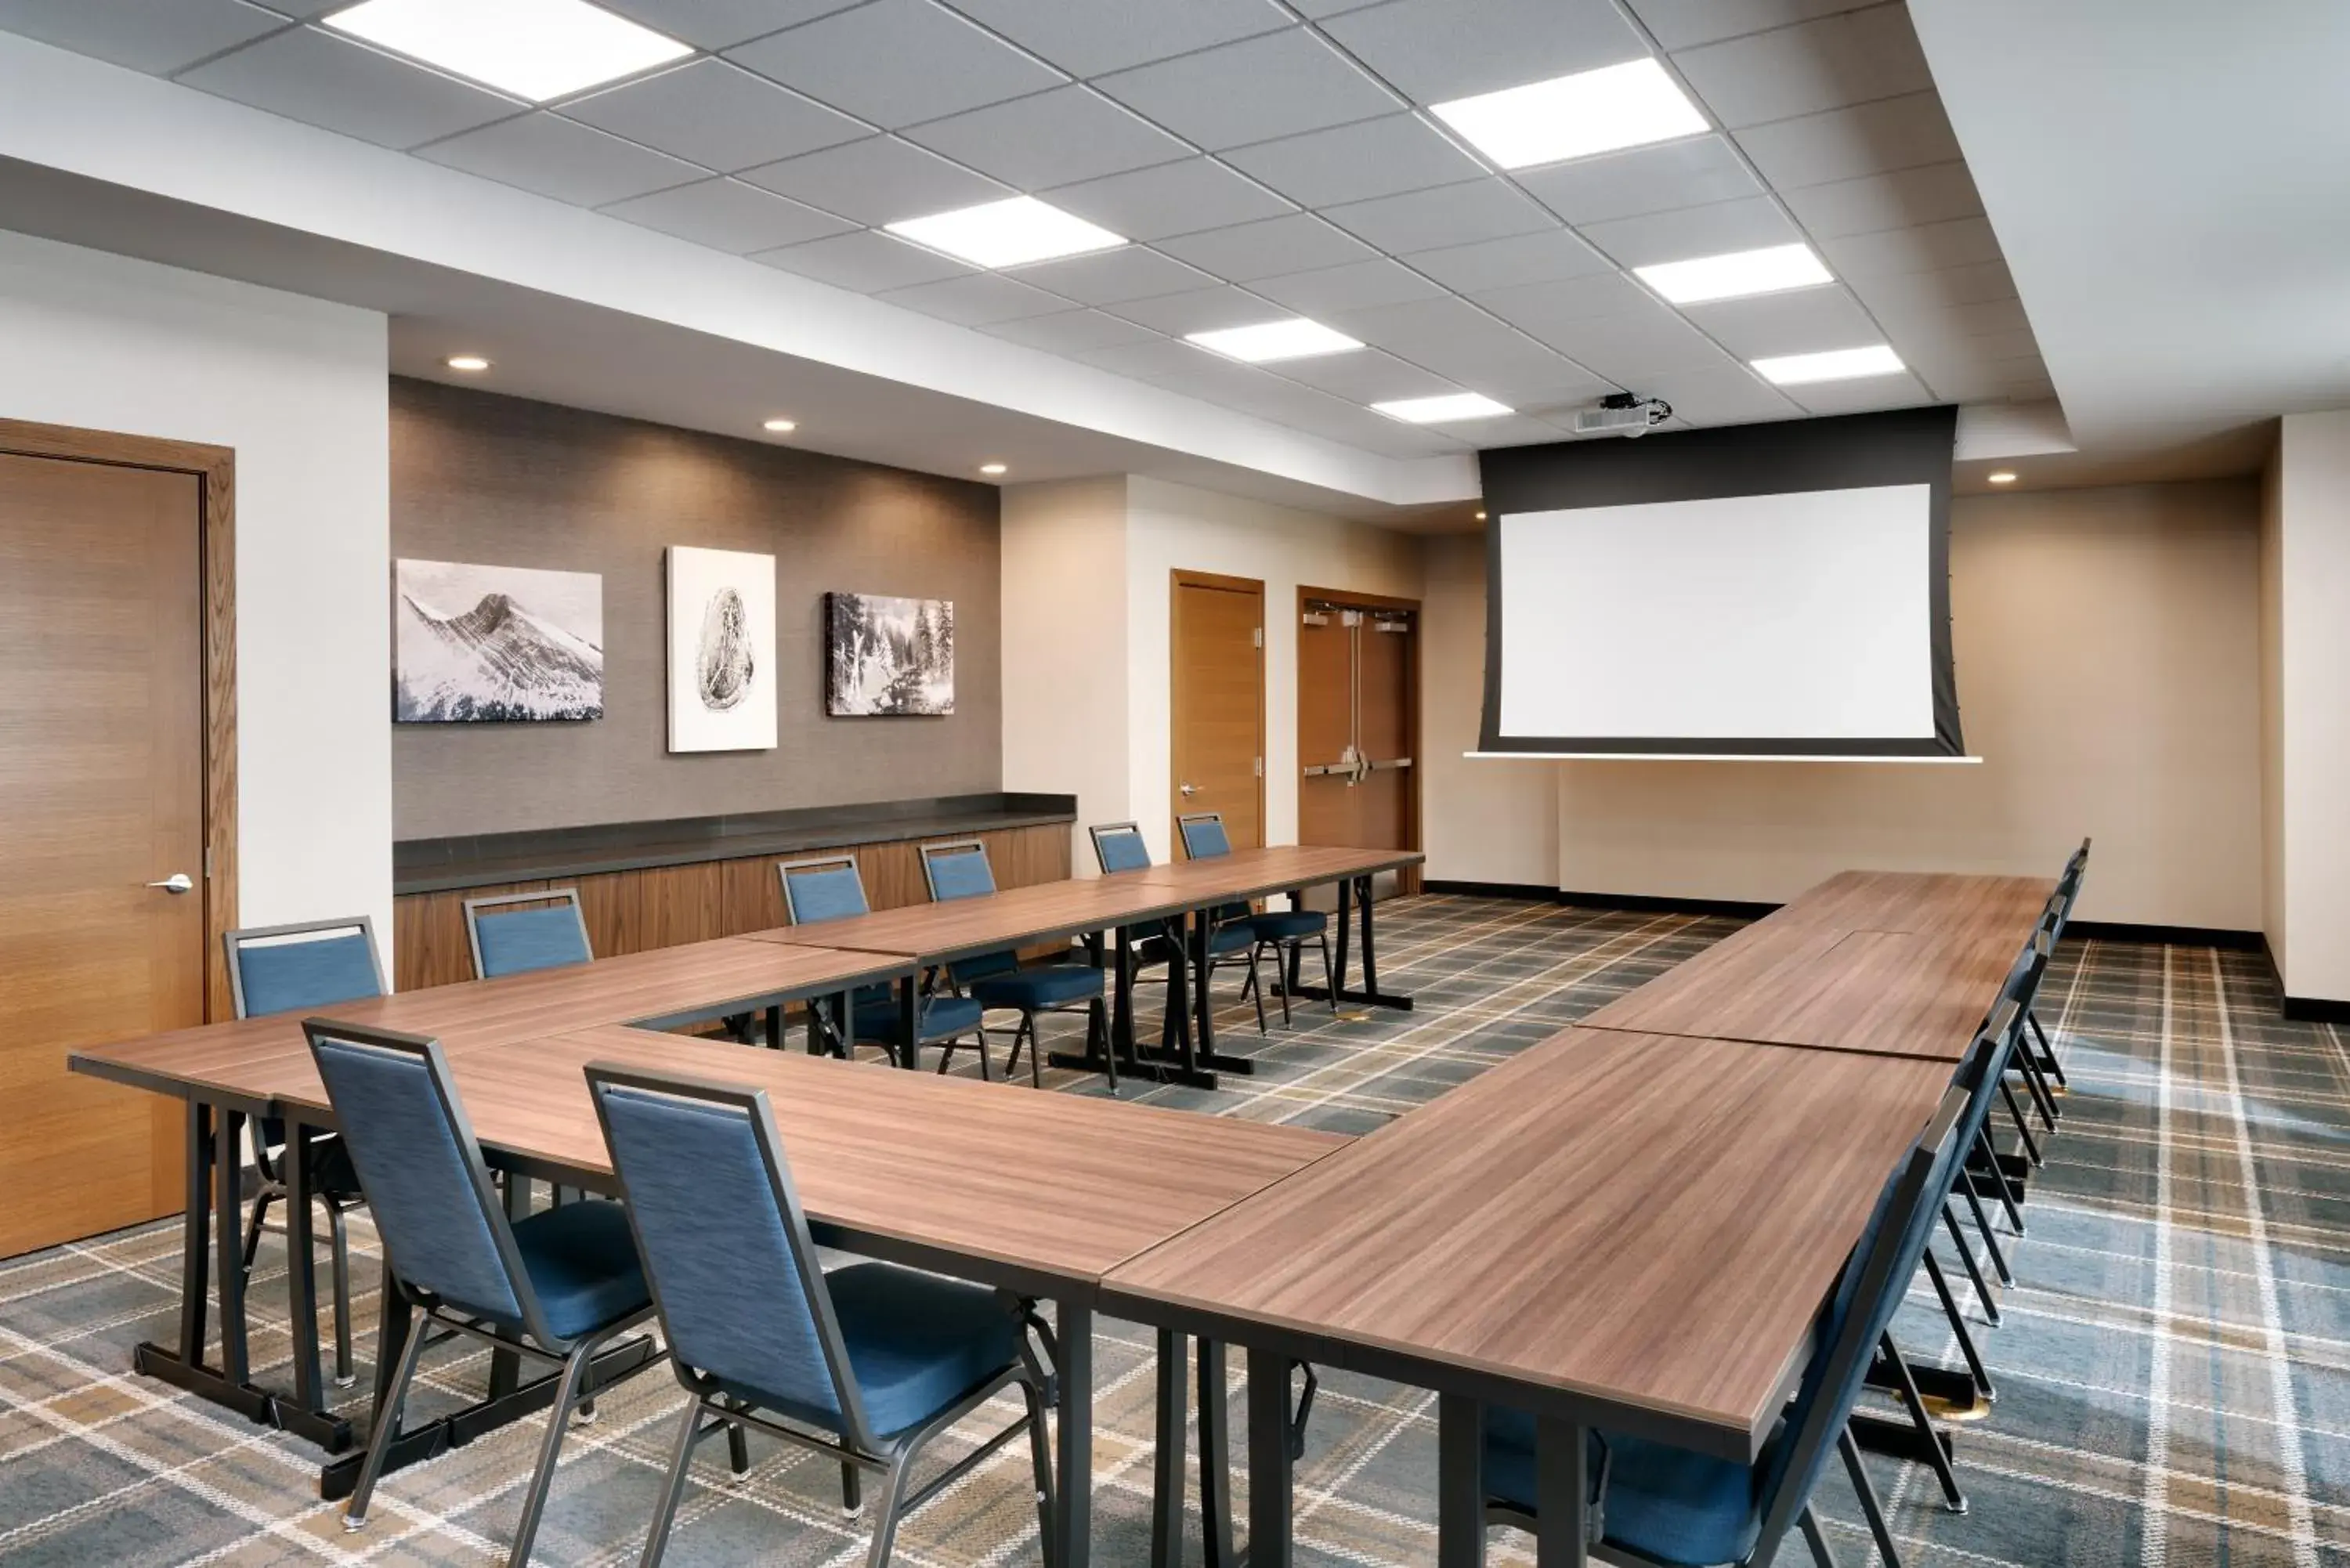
{"x":1234,"y":936}
{"x":943,"y":1018}
{"x":917,"y":1342}
{"x":582,"y":1261}
{"x":1289,"y":925}
{"x":1663,"y":1503}
{"x":1048,"y":985}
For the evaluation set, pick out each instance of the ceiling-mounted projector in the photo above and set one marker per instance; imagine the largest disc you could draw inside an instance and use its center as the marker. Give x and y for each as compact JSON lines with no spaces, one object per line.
{"x":1622,"y":413}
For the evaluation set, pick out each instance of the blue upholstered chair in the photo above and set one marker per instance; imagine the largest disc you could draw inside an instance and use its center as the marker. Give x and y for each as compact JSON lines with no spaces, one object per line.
{"x":297,"y":968}
{"x":512,"y":933}
{"x":558,"y":1286}
{"x":867,"y":1364}
{"x":829,"y":888}
{"x":1282,"y":932}
{"x":1120,"y":847}
{"x":997,"y":981}
{"x":1654,"y":1504}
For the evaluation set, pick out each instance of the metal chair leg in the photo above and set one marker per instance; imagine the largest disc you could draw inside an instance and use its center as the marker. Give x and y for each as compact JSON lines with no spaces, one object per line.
{"x":1954,"y":1498}
{"x":1869,"y":1506}
{"x":1822,"y":1555}
{"x":1975,"y":1367}
{"x":1982,"y":1227}
{"x":1280,"y":980}
{"x":2035,"y":1078}
{"x":387,"y":1423}
{"x":2022,"y":1128}
{"x":1974,"y":1270}
{"x":340,"y":1270}
{"x":1329,"y":975}
{"x":1040,"y":1457}
{"x":2047,"y":1052}
{"x":680,"y":1463}
{"x":1036,"y":1057}
{"x":261,"y":1202}
{"x":1990,"y":1156}
{"x":550,"y":1451}
{"x":885,"y":1523}
{"x":738,"y":1447}
{"x":852,"y":1490}
{"x":1256,"y":994}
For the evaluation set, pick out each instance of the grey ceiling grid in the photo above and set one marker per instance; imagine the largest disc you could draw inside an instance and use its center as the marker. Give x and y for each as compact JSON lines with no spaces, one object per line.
{"x":1267,"y":157}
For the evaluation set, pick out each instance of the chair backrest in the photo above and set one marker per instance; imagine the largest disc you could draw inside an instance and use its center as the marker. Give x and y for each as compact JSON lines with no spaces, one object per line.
{"x":514,"y":932}
{"x":1203,"y":834}
{"x":725,"y":1246}
{"x":957,"y":870}
{"x":295,"y":968}
{"x":1985,"y":1063}
{"x":1120,"y":847}
{"x":1874,"y":1281}
{"x":826,"y":889}
{"x":443,"y":1230}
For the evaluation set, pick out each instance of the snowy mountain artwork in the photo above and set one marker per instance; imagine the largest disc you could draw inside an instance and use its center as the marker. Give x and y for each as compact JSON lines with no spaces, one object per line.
{"x":721,"y":650}
{"x":495,"y":644}
{"x":888,"y":656}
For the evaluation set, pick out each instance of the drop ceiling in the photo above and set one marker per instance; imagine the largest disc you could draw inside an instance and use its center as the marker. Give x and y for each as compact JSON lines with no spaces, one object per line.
{"x":1267,"y":158}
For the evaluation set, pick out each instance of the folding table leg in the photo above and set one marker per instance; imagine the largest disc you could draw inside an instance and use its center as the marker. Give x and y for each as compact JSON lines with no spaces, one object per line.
{"x":1073,"y":1519}
{"x":1270,"y":1481}
{"x":1215,"y":1458}
{"x":1459,"y":1483}
{"x":301,"y":1267}
{"x":195,"y":1244}
{"x":1168,"y":1486}
{"x":228,"y":1214}
{"x":1562,"y":1494}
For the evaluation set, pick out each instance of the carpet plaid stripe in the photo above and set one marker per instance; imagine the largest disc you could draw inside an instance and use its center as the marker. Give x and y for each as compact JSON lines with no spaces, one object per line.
{"x":2174,"y":1365}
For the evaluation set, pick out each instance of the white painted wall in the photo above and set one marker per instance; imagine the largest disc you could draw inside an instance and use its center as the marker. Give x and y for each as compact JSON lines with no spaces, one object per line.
{"x":2272,"y":844}
{"x":298,"y":388}
{"x":2313,"y":570}
{"x":1482,"y":821}
{"x":2108,"y":666}
{"x":1066,"y":701}
{"x":1172,"y":528}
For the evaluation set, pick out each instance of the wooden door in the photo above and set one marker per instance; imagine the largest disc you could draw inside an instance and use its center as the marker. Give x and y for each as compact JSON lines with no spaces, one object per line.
{"x":102,"y":791}
{"x":1217,"y":703}
{"x":1359,"y":721}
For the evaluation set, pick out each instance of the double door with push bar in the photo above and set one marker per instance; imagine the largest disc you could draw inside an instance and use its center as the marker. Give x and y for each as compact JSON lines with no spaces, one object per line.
{"x":1357,"y":720}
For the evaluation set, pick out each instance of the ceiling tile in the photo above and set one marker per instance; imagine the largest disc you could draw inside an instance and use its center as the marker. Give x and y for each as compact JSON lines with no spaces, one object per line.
{"x":1679,"y":24}
{"x":1947,"y":319}
{"x":1314,"y":10}
{"x":1143,"y":361}
{"x":1627,"y":347}
{"x":1198,"y":310}
{"x":1355,"y":162}
{"x":1847,"y":58}
{"x":1799,"y":321}
{"x":1511,"y":430}
{"x":1864,"y":395}
{"x":1110,"y":277}
{"x":897,"y":62}
{"x":1901,"y":200}
{"x":1721,"y":394}
{"x":1848,"y":143}
{"x":1690,"y":231}
{"x":1447,"y":215}
{"x":1958,"y":241}
{"x":304,"y":10}
{"x":976,"y":300}
{"x":881,"y":179}
{"x":1054,"y":138}
{"x":1268,"y":247}
{"x":728,"y":216}
{"x":1171,"y":199}
{"x":1071,"y":331}
{"x":312,"y":77}
{"x":1694,"y":173}
{"x":559,"y":158}
{"x":718,"y":24}
{"x":1354,"y":287}
{"x":1543,"y":308}
{"x":1369,"y":377}
{"x":1254,"y":90}
{"x":1436,"y":51}
{"x":1545,"y":257}
{"x":866,"y":261}
{"x":1086,"y":37}
{"x":1455,"y":339}
{"x":158,"y":37}
{"x":1920,"y":291}
{"x":718,"y":115}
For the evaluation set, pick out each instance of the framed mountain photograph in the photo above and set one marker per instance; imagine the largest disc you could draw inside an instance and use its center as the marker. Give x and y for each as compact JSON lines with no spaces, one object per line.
{"x":477,"y":645}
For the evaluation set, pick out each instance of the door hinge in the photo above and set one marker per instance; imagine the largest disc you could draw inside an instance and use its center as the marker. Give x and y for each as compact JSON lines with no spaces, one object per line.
{"x":208,"y":862}
{"x":1260,"y":767}
{"x":1256,"y":636}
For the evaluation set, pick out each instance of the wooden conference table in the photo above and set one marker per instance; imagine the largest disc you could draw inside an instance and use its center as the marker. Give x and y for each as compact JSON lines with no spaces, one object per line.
{"x":943,"y":1173}
{"x":1623,"y":1227}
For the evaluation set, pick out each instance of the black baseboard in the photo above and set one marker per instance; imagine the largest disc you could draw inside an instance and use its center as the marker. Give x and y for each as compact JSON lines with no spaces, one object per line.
{"x":1527,"y":891}
{"x":2316,"y":1010}
{"x":2167,"y":936}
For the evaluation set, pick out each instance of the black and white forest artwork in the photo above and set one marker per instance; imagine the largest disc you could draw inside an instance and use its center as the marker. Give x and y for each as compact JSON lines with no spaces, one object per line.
{"x":888,"y":656}
{"x":495,"y":644}
{"x":721,"y":650}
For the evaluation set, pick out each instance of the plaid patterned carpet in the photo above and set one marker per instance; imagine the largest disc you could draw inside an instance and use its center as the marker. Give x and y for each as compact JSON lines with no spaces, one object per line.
{"x":2174,"y":1365}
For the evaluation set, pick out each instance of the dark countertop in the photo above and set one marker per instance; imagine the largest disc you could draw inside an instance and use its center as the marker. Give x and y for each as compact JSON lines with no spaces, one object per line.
{"x":439,"y":865}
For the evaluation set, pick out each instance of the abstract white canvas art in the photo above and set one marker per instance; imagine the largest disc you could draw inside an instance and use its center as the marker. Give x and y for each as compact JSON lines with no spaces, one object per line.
{"x":721,"y":650}
{"x":495,"y":644}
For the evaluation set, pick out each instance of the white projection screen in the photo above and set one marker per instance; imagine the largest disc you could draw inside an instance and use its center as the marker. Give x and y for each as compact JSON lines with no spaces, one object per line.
{"x":1695,"y":598}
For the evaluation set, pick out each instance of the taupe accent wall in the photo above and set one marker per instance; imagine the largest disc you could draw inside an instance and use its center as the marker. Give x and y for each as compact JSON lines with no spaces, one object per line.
{"x":477,"y":477}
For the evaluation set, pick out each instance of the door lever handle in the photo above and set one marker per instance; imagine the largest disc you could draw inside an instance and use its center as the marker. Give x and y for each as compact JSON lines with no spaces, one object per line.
{"x":1189,"y":790}
{"x":177,"y":882}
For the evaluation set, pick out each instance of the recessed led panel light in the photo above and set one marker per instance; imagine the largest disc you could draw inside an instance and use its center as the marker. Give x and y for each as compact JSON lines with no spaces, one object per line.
{"x":1295,"y":338}
{"x":1439,"y":410}
{"x":991,"y":469}
{"x":1007,"y":233}
{"x":536,"y":49}
{"x":1835,"y":365}
{"x":781,"y":427}
{"x":1770,"y":270}
{"x":466,"y":362}
{"x":1628,"y":105}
